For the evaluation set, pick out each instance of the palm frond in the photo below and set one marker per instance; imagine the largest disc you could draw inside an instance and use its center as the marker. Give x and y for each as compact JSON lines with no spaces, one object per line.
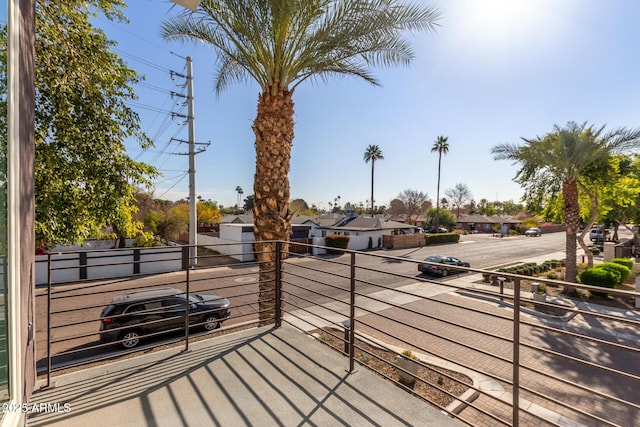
{"x":280,"y":44}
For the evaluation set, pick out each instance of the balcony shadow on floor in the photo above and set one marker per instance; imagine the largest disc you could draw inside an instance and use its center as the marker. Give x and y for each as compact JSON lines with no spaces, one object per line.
{"x":261,"y":377}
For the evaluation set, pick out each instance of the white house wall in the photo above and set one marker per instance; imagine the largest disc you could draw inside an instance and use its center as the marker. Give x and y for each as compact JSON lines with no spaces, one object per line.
{"x":65,"y":267}
{"x":242,"y":251}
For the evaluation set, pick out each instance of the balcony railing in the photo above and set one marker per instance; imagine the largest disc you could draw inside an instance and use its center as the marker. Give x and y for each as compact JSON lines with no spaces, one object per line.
{"x":522,"y":362}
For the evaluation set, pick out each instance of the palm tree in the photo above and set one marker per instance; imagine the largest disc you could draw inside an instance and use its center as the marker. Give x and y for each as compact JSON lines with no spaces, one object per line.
{"x":441,"y":146}
{"x":240,"y":193}
{"x":559,"y":160}
{"x":279,"y":45}
{"x":372,"y":153}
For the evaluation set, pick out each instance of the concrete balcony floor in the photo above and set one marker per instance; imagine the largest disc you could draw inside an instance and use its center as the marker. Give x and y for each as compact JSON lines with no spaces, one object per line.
{"x":261,"y":376}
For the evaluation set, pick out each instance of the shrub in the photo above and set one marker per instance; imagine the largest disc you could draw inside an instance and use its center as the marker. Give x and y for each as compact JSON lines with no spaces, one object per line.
{"x":336,"y":241}
{"x":552,"y":276}
{"x":432,"y":239}
{"x":145,"y":240}
{"x":600,"y":277}
{"x":595,"y":250}
{"x":627,"y":262}
{"x":623,"y":271}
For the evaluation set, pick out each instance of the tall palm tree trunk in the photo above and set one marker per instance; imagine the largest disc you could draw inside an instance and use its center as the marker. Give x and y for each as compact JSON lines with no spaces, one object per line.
{"x":373,"y":162}
{"x":438,"y":193}
{"x":273,"y":128}
{"x":571,"y":219}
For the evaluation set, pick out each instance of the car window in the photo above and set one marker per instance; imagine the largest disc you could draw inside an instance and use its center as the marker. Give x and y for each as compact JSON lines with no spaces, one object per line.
{"x":135,"y":308}
{"x":173,"y":304}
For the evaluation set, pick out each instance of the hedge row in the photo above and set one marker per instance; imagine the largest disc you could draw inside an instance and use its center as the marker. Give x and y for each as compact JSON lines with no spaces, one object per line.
{"x":531,"y":268}
{"x":336,"y":241}
{"x":432,"y":239}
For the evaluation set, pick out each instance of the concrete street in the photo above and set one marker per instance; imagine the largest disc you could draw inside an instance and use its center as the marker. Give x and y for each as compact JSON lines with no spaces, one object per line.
{"x":453,"y":317}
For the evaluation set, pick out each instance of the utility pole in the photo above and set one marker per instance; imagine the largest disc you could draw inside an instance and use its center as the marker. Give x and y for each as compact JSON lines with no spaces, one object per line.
{"x":193,"y":213}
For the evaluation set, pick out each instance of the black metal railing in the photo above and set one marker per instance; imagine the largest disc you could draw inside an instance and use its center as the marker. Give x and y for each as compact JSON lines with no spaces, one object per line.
{"x":68,"y":310}
{"x":528,"y":362}
{"x":552,"y":364}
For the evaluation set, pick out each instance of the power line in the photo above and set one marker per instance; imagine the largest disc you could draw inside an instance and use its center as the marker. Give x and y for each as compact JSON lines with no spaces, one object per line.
{"x":177,"y":182}
{"x":156,"y":88}
{"x":141,"y":60}
{"x":150,"y":108}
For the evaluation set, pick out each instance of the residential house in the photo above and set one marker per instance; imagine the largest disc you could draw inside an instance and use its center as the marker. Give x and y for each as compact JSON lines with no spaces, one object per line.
{"x":487,"y":224}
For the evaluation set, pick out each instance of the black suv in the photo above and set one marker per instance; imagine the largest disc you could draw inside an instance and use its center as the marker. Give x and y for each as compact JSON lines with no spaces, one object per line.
{"x":131,"y":316}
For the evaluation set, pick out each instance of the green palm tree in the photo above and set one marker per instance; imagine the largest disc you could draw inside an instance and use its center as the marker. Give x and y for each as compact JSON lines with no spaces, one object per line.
{"x":372,"y":154}
{"x":442,"y":147}
{"x":280,"y":44}
{"x":559,"y":160}
{"x":240,"y":193}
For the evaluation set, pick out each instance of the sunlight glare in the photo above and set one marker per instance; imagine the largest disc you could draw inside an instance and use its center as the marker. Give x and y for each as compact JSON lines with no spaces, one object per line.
{"x":497,"y":23}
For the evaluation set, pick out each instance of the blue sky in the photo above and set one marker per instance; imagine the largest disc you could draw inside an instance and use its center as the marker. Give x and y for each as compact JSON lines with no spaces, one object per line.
{"x":493,"y":72}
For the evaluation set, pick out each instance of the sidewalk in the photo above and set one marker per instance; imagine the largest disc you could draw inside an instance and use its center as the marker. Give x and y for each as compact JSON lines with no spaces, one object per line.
{"x":602,"y":326}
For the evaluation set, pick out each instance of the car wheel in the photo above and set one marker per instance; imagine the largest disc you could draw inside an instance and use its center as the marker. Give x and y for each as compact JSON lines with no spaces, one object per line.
{"x":130,"y":339}
{"x":210,"y":323}
{"x":445,"y":273}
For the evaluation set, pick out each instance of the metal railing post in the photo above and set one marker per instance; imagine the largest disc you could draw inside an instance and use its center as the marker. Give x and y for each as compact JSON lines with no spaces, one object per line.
{"x":352,"y":313}
{"x":278,"y":285}
{"x":48,"y":320}
{"x":501,"y":281}
{"x":516,"y":352}
{"x":187,"y":305}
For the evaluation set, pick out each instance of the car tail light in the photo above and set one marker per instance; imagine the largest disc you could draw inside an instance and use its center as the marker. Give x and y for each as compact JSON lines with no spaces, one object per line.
{"x":107,"y":320}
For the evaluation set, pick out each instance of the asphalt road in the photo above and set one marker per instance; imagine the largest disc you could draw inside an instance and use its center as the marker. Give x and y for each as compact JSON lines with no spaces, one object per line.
{"x":76,"y":308}
{"x":314,"y":282}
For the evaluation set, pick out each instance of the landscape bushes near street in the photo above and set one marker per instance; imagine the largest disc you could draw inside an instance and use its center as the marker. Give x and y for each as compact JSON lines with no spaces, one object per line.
{"x":611,"y":275}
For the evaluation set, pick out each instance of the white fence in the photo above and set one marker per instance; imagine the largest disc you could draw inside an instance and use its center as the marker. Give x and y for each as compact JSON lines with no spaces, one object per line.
{"x":72,"y":266}
{"x":242,"y":251}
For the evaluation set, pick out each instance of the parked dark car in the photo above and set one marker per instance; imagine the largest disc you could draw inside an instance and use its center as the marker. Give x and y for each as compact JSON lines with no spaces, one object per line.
{"x":130,"y":317}
{"x":438,"y":230}
{"x":533,"y":232}
{"x":441,"y":265}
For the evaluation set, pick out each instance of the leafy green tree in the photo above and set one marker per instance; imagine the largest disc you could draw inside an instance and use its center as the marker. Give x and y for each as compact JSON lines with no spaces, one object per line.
{"x":485,"y":207}
{"x":173,"y":221}
{"x":619,"y":193}
{"x":208,"y":212}
{"x":509,"y":207}
{"x":371,"y":154}
{"x":558,"y":161}
{"x":397,"y":207}
{"x":439,"y":216}
{"x":440,"y":146}
{"x":280,"y":44}
{"x":83,"y":177}
{"x":249,"y":202}
{"x":299,"y":206}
